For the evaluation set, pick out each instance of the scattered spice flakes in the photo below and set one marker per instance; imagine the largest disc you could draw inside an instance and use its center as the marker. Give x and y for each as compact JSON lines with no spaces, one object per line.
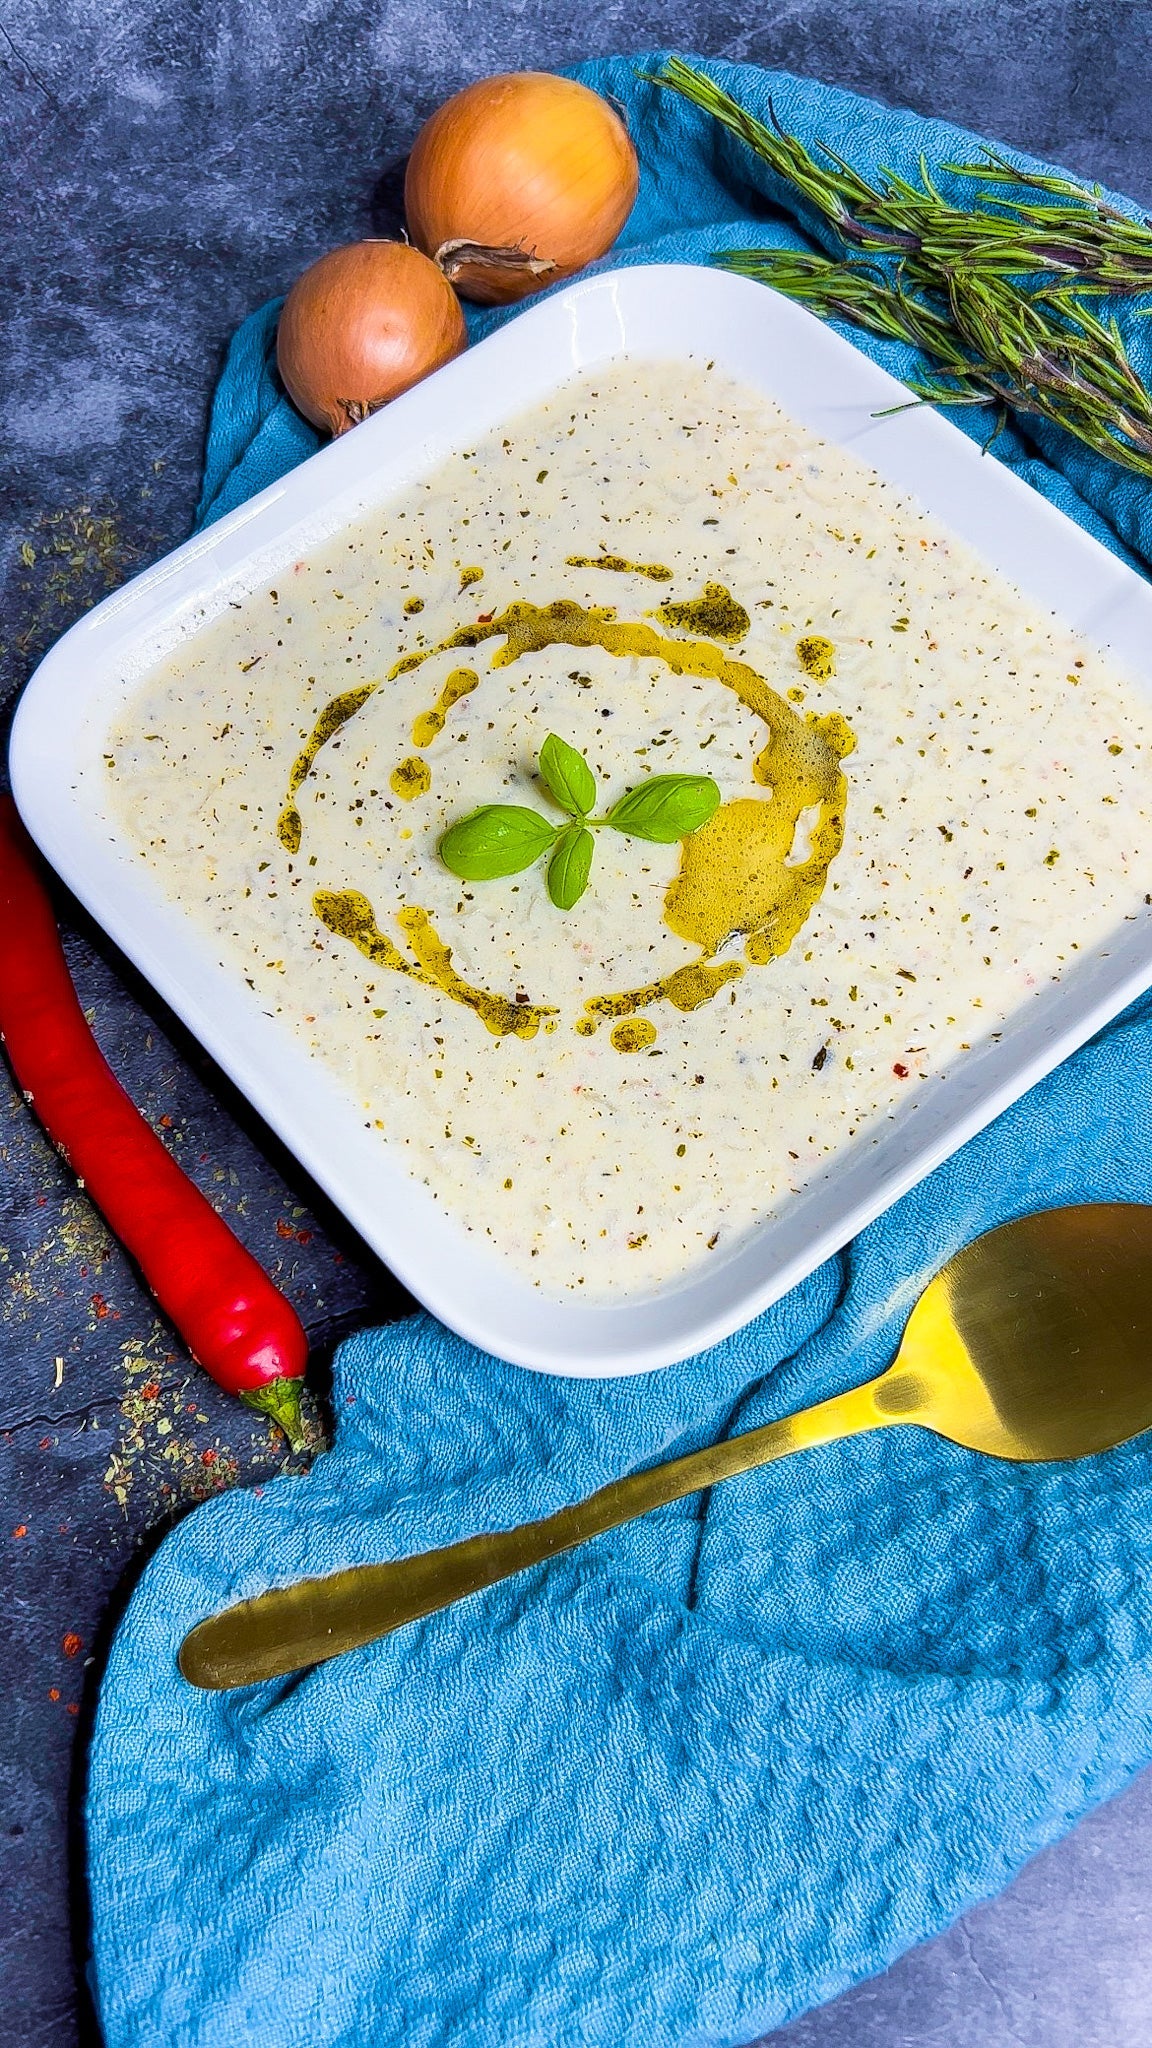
{"x":71,"y":557}
{"x":156,"y":1451}
{"x":289,"y":1230}
{"x":72,"y":1644}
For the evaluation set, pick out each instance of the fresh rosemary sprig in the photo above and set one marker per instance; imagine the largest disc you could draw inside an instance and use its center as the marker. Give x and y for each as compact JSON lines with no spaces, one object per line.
{"x":1045,"y":354}
{"x":996,"y":299}
{"x":1080,"y":236}
{"x":503,"y":839}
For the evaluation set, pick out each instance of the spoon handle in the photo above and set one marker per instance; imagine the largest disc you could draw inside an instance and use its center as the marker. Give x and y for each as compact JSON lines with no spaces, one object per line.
{"x":290,"y":1627}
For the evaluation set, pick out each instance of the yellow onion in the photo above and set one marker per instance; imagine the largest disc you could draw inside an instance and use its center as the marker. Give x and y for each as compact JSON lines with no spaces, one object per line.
{"x":518,"y":181}
{"x":361,"y":326}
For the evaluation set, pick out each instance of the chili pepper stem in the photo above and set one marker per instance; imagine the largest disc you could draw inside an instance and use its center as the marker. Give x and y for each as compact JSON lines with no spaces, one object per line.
{"x":279,"y":1399}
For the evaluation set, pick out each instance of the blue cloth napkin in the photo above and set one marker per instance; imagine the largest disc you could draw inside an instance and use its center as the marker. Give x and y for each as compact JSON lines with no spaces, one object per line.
{"x":678,"y":1786}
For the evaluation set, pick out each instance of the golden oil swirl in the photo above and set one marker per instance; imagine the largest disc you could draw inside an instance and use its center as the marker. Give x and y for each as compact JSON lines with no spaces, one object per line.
{"x":738,"y":877}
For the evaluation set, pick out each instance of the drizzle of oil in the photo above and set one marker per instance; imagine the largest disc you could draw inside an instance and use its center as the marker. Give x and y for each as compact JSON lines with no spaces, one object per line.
{"x":717,"y":614}
{"x":472,"y":574}
{"x":734,"y":879}
{"x":527,"y":628}
{"x":620,"y":564}
{"x":349,"y":915}
{"x":817,"y":657}
{"x":288,"y":826}
{"x":503,"y":1019}
{"x":427,"y":724}
{"x":686,"y":988}
{"x":634,"y":1035}
{"x":411,"y":778}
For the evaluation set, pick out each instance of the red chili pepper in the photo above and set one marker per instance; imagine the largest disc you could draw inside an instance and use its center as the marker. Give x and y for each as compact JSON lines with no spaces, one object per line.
{"x":236,"y":1324}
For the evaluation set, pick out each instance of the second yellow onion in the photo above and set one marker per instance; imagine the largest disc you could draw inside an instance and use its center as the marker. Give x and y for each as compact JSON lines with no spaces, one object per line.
{"x":518,"y":181}
{"x":362,"y":325}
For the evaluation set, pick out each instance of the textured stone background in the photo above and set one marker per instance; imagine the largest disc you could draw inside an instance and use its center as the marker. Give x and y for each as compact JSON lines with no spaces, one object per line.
{"x":170,"y":163}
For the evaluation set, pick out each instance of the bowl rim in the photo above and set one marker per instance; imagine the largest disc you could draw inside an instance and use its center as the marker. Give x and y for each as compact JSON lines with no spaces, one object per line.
{"x":677,"y":312}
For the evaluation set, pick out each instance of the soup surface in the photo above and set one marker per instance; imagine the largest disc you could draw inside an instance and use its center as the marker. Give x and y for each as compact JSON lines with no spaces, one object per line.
{"x":933,"y":799}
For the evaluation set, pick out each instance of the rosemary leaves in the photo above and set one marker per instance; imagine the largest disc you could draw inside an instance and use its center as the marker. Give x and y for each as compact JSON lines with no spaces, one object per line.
{"x":997,"y":295}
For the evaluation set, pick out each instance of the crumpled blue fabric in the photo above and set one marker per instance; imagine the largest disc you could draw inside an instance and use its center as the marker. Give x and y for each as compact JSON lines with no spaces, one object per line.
{"x":682,"y":1784}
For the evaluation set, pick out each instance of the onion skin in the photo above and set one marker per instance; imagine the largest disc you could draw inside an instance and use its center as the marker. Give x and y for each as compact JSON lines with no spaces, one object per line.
{"x":362,"y":325}
{"x":517,"y":182}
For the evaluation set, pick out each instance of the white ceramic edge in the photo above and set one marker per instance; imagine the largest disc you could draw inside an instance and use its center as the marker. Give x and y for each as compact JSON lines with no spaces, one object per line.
{"x":652,"y":311}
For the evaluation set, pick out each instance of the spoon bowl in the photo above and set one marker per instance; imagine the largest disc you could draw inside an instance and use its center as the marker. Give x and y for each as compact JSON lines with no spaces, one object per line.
{"x":1033,"y":1342}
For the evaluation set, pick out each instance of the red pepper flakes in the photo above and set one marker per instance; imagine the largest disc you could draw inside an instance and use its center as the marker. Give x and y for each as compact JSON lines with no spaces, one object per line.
{"x":72,"y":1644}
{"x":72,"y":1707}
{"x":21,"y":1529}
{"x":100,"y":1306}
{"x":150,"y":1390}
{"x":297,"y":1236}
{"x":45,"y":1443}
{"x":53,"y":1692}
{"x":207,"y":1457}
{"x":898,"y":1069}
{"x":165,"y":1123}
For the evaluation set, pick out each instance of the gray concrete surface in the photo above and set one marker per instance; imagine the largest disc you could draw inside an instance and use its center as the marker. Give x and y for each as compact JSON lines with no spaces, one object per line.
{"x":167,"y":165}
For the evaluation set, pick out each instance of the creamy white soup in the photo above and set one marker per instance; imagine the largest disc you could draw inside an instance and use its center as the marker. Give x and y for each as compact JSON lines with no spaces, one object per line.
{"x":933,"y":800}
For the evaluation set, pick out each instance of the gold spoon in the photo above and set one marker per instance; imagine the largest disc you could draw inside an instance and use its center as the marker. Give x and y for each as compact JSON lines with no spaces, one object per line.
{"x":1033,"y":1342}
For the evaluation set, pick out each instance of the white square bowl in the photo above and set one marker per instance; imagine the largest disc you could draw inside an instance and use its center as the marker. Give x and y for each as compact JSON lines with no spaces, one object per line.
{"x":660,"y":311}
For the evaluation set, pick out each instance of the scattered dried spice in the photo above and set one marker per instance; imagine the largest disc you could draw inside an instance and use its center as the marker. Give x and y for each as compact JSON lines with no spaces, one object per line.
{"x":159,"y":1459}
{"x":71,"y":558}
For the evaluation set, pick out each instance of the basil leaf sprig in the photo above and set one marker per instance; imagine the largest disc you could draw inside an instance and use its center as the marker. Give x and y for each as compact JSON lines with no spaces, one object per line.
{"x":566,"y":776}
{"x":503,"y":839}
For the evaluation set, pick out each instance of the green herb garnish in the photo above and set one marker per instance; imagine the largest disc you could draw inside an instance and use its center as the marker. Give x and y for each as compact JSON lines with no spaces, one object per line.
{"x":665,"y":808}
{"x":570,"y":865}
{"x":499,"y":839}
{"x":993,"y":293}
{"x":503,"y":839}
{"x":567,"y":777}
